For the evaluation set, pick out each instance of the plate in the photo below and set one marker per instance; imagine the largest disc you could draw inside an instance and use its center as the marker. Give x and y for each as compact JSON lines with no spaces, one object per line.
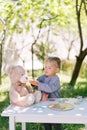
{"x":60,"y":106}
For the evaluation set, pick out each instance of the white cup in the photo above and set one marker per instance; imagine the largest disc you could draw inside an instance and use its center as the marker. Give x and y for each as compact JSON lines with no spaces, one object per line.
{"x":79,"y":98}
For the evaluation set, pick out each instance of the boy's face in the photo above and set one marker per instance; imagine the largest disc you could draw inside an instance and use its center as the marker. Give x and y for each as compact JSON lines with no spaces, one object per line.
{"x":51,"y":68}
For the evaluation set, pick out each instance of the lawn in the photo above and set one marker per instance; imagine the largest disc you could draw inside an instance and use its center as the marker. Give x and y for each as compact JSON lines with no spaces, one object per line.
{"x":80,"y":89}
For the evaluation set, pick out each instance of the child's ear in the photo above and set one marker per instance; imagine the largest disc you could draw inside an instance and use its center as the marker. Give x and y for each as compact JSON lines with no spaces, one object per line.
{"x":58,"y":69}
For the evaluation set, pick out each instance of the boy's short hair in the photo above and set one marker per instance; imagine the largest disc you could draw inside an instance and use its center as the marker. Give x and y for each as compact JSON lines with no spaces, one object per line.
{"x":56,"y":59}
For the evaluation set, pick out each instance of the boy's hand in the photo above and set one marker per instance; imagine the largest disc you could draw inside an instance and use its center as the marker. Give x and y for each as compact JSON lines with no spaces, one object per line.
{"x":34,"y":82}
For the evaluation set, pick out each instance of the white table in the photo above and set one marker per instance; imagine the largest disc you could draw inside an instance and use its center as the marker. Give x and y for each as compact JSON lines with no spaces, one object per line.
{"x":40,"y":113}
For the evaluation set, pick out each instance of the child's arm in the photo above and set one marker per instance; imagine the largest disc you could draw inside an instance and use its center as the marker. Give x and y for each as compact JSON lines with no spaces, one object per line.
{"x":52,"y":86}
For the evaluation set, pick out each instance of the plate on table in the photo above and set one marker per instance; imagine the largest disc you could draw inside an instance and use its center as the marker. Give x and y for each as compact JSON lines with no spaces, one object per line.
{"x":60,"y":106}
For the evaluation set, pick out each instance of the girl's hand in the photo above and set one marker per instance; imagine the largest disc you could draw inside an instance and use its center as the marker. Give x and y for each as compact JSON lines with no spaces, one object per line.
{"x":44,"y":97}
{"x":34,"y":82}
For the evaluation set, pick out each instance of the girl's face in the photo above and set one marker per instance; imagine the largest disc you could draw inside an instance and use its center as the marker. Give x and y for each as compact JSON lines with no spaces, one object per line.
{"x":51,"y":68}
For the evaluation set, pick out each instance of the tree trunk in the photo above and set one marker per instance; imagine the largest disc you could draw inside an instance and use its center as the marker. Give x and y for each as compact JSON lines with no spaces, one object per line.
{"x":77,"y":67}
{"x":0,"y":62}
{"x":82,"y":53}
{"x":76,"y":72}
{"x":2,"y":38}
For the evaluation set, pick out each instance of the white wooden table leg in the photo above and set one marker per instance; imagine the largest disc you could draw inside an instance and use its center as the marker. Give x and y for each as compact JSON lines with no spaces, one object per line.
{"x":11,"y":123}
{"x":23,"y":125}
{"x":85,"y":126}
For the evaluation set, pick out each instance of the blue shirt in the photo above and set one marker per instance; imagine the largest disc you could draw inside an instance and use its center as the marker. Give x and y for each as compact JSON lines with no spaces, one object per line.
{"x":49,"y":85}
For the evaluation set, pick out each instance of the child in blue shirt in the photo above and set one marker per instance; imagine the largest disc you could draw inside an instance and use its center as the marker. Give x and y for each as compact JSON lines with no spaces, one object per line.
{"x":49,"y":84}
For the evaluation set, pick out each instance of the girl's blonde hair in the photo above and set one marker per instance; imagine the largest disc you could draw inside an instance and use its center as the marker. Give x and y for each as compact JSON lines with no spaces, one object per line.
{"x":56,"y":59}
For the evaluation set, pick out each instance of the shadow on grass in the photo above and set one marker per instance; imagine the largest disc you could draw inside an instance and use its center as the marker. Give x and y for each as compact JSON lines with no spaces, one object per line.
{"x":4,"y":102}
{"x":82,"y":88}
{"x":73,"y":127}
{"x":82,"y":84}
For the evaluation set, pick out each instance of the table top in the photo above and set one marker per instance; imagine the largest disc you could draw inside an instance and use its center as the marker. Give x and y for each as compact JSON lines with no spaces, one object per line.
{"x":42,"y":113}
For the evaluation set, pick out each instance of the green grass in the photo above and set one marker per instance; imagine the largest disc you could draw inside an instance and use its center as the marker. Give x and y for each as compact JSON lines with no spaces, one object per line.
{"x":66,"y":91}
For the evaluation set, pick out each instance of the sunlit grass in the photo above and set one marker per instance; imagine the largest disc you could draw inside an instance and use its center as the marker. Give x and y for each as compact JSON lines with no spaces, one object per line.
{"x":2,"y":97}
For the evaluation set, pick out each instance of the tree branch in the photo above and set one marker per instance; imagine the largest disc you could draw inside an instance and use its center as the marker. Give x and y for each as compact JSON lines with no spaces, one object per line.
{"x":85,"y":7}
